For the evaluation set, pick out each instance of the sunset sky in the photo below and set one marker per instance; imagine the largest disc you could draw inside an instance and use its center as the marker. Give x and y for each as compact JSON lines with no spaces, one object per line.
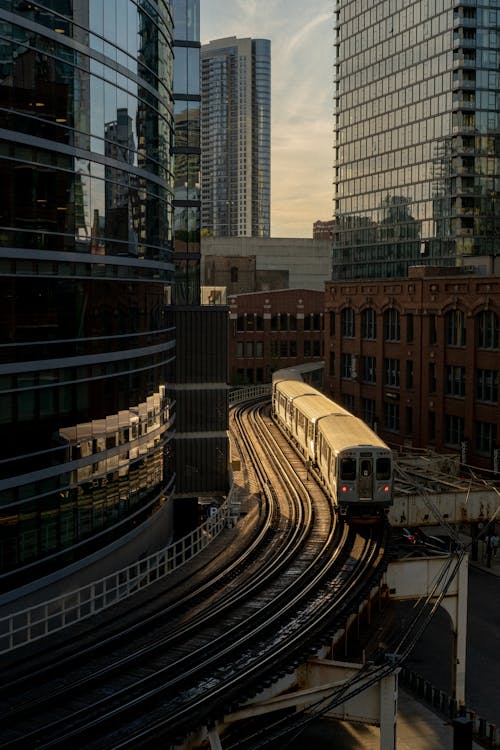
{"x":302,"y":100}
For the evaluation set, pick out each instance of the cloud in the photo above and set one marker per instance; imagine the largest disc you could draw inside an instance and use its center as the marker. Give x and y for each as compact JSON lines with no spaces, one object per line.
{"x":247,"y":10}
{"x":300,"y":37}
{"x":301,"y":179}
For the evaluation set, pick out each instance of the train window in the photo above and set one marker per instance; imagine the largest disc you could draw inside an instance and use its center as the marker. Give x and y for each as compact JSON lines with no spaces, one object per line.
{"x":366,"y":468}
{"x":348,"y":468}
{"x":324,"y":449}
{"x":383,"y":468}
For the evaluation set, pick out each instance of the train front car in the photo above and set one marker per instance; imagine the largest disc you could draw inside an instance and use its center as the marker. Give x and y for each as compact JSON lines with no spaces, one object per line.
{"x":357,"y":465}
{"x":354,"y":464}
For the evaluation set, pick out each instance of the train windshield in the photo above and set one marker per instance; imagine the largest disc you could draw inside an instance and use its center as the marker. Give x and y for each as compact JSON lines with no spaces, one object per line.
{"x":366,"y":467}
{"x":383,"y":468}
{"x":348,"y":468}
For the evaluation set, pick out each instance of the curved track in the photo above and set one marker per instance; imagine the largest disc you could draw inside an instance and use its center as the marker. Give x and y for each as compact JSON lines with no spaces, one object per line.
{"x":239,"y":625}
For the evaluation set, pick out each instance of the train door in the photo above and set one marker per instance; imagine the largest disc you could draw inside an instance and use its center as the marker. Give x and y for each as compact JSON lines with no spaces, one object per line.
{"x":365,"y":481}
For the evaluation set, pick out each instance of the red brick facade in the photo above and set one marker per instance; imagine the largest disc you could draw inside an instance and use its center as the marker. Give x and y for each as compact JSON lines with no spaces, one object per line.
{"x":323,"y":230}
{"x":271,"y":330}
{"x":419,"y":359}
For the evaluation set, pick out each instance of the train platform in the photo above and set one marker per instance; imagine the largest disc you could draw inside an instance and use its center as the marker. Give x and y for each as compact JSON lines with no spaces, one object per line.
{"x":482,"y":563}
{"x":418,"y":728}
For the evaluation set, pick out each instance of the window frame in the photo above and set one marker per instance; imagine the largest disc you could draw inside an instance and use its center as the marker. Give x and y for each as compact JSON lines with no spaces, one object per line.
{"x":392,"y":325}
{"x":369,"y":324}
{"x":348,"y":323}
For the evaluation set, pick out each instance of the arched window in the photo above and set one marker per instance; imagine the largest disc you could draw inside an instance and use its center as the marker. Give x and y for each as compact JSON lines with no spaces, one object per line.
{"x":348,"y":323}
{"x":487,"y":330}
{"x":455,"y":328}
{"x":369,"y":324}
{"x":392,"y":326}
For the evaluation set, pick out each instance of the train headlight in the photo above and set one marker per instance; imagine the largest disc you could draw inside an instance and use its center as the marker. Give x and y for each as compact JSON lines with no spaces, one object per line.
{"x":387,"y":488}
{"x":345,"y":488}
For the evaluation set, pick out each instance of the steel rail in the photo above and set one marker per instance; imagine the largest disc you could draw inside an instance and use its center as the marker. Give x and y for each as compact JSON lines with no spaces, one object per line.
{"x":296,"y":538}
{"x":268,"y":519}
{"x":227,"y":650}
{"x":176,"y":722}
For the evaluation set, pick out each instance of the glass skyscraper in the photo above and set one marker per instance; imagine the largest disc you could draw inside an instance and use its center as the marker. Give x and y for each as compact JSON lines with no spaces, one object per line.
{"x":417,"y":167}
{"x":236,"y":137}
{"x":86,"y":262}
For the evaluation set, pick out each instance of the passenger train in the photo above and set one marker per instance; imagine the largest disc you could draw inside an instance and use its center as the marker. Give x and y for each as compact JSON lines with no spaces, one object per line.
{"x":353,"y":463}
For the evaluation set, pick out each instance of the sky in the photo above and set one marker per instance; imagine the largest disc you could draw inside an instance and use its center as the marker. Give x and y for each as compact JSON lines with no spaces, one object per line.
{"x":301,"y":37}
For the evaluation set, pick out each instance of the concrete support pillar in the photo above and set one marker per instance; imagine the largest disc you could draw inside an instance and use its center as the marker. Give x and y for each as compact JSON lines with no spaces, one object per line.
{"x":213,"y":738}
{"x":460,"y":634}
{"x":388,"y":711}
{"x":457,"y":609}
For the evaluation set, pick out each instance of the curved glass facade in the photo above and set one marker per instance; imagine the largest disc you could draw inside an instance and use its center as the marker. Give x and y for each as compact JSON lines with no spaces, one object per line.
{"x":86,"y":339}
{"x":187,"y":198}
{"x":417,"y":173}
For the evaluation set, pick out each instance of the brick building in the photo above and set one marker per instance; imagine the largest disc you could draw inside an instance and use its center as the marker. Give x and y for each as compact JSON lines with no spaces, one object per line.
{"x":418,"y":358}
{"x":257,"y":264}
{"x":323,"y":230}
{"x":271,"y":330}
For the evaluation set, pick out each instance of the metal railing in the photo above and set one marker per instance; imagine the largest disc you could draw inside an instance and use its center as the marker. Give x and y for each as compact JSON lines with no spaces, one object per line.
{"x":40,"y":620}
{"x":247,"y":392}
{"x":484,"y":731}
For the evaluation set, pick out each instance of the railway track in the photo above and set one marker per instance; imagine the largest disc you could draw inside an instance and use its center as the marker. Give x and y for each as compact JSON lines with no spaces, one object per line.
{"x":192,"y":655}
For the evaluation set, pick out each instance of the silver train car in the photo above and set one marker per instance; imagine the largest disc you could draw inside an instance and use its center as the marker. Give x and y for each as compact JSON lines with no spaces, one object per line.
{"x":354,"y":464}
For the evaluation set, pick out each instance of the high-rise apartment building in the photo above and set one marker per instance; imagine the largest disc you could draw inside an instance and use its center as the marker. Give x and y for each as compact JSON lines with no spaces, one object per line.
{"x":236,"y":137}
{"x":417,"y":168}
{"x":87,"y":340}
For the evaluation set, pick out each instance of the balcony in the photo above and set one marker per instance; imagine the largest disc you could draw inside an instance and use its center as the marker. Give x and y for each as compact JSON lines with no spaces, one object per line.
{"x":460,"y":22}
{"x":462,"y":43}
{"x":462,"y":84}
{"x":460,"y":61}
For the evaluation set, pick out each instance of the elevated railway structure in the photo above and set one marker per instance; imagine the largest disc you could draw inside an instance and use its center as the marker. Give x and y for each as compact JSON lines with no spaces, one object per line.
{"x":433,"y":489}
{"x":181,"y":656}
{"x":260,"y":622}
{"x":430,"y":488}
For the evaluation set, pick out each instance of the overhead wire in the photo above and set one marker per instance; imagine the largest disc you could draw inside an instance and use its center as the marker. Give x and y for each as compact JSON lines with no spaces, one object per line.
{"x":370,"y":673}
